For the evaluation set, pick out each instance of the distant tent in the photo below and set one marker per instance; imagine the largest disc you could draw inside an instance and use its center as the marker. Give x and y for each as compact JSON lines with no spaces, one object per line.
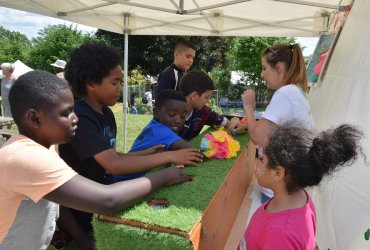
{"x":20,"y":69}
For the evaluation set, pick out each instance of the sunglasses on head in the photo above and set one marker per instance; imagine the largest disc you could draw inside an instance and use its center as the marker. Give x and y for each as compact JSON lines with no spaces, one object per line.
{"x":273,"y":51}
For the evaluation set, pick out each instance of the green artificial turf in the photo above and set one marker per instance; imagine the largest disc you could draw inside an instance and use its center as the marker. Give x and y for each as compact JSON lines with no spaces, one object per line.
{"x":187,"y":201}
{"x":117,"y":236}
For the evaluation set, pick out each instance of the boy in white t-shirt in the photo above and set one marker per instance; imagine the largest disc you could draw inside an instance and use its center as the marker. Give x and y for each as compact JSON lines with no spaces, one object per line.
{"x":33,"y":176}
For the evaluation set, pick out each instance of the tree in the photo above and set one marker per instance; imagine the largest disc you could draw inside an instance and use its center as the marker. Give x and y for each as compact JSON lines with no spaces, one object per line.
{"x":55,"y":42}
{"x":245,"y":56}
{"x":13,"y":46}
{"x":222,"y":78}
{"x":152,"y":54}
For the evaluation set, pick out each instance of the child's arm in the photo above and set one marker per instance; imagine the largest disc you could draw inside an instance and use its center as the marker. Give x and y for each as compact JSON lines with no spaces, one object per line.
{"x":180,"y":144}
{"x":149,"y":151}
{"x":117,"y":164}
{"x":109,"y":199}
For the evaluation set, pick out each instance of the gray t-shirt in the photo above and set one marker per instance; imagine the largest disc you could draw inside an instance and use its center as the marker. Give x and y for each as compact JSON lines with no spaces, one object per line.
{"x":34,"y":224}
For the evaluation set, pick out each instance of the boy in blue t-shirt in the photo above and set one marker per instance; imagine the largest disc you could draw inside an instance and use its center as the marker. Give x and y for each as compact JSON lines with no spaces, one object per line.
{"x":197,"y":88}
{"x":169,"y":118}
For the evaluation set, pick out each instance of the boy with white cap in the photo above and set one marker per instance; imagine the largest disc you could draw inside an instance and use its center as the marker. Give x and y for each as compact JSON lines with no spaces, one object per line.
{"x":59,"y":66}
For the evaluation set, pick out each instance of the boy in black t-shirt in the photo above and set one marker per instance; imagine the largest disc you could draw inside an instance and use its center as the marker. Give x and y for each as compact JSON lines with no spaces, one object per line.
{"x":94,"y":72}
{"x":183,"y":57}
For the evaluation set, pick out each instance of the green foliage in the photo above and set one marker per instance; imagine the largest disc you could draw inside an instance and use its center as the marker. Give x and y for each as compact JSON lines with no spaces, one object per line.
{"x":55,"y":42}
{"x":137,"y":77}
{"x":152,"y":54}
{"x":13,"y":46}
{"x":245,"y":56}
{"x":214,"y":106}
{"x":221,"y":77}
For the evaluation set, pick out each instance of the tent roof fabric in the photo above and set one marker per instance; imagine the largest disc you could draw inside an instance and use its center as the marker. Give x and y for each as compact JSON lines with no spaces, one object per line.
{"x":196,"y":17}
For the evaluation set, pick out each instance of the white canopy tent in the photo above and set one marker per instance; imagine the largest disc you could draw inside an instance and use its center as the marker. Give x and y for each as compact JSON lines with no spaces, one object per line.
{"x":20,"y":68}
{"x":343,"y":202}
{"x":347,"y":77}
{"x":195,"y":17}
{"x":192,"y":17}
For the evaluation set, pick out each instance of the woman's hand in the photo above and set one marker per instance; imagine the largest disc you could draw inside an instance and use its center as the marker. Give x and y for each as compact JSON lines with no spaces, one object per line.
{"x":187,"y":156}
{"x":248,"y":98}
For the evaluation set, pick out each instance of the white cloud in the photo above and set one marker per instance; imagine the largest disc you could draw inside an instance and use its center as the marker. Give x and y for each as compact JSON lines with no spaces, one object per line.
{"x":30,"y":24}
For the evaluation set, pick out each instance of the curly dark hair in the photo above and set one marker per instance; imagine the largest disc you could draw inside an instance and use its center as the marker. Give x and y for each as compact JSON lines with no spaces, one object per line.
{"x":91,"y":62}
{"x":307,"y":157}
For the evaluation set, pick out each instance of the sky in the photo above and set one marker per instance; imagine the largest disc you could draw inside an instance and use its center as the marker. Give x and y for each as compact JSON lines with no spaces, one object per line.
{"x":30,"y":24}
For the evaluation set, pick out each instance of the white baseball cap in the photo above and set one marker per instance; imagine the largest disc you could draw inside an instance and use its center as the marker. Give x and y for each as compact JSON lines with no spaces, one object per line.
{"x":59,"y":64}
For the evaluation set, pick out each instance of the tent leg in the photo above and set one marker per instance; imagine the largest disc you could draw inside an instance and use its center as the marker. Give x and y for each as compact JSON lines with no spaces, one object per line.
{"x":125,"y":89}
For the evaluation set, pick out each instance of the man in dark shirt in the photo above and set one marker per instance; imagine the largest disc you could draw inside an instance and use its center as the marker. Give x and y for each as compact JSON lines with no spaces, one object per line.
{"x":184,"y":55}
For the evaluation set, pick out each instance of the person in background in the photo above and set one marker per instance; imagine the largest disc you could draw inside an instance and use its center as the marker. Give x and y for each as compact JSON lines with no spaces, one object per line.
{"x":292,"y":159}
{"x":197,"y":87}
{"x":131,"y":103}
{"x":169,"y":118}
{"x":284,"y":70}
{"x":183,"y":55}
{"x":6,"y":84}
{"x":34,"y":179}
{"x":92,"y":151}
{"x":59,"y":66}
{"x":148,"y":97}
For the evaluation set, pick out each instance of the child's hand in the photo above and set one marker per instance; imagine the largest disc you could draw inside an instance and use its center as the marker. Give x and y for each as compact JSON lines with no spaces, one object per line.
{"x":233,"y":124}
{"x":187,"y":156}
{"x":174,"y":175}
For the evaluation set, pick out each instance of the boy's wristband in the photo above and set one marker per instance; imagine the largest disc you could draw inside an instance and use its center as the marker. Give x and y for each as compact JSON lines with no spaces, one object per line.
{"x":243,"y":120}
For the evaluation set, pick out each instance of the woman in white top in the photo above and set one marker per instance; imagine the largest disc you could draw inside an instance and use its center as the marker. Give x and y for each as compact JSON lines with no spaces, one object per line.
{"x":284,"y":70}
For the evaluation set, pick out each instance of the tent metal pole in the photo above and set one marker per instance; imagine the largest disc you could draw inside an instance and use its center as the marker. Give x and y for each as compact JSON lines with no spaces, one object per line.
{"x":125,"y":85}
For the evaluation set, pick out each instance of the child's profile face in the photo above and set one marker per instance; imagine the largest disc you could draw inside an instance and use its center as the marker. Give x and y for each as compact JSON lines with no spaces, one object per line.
{"x":172,"y":114}
{"x":263,"y":173}
{"x":199,"y":101}
{"x":57,"y":120}
{"x":184,"y":59}
{"x":108,"y":92}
